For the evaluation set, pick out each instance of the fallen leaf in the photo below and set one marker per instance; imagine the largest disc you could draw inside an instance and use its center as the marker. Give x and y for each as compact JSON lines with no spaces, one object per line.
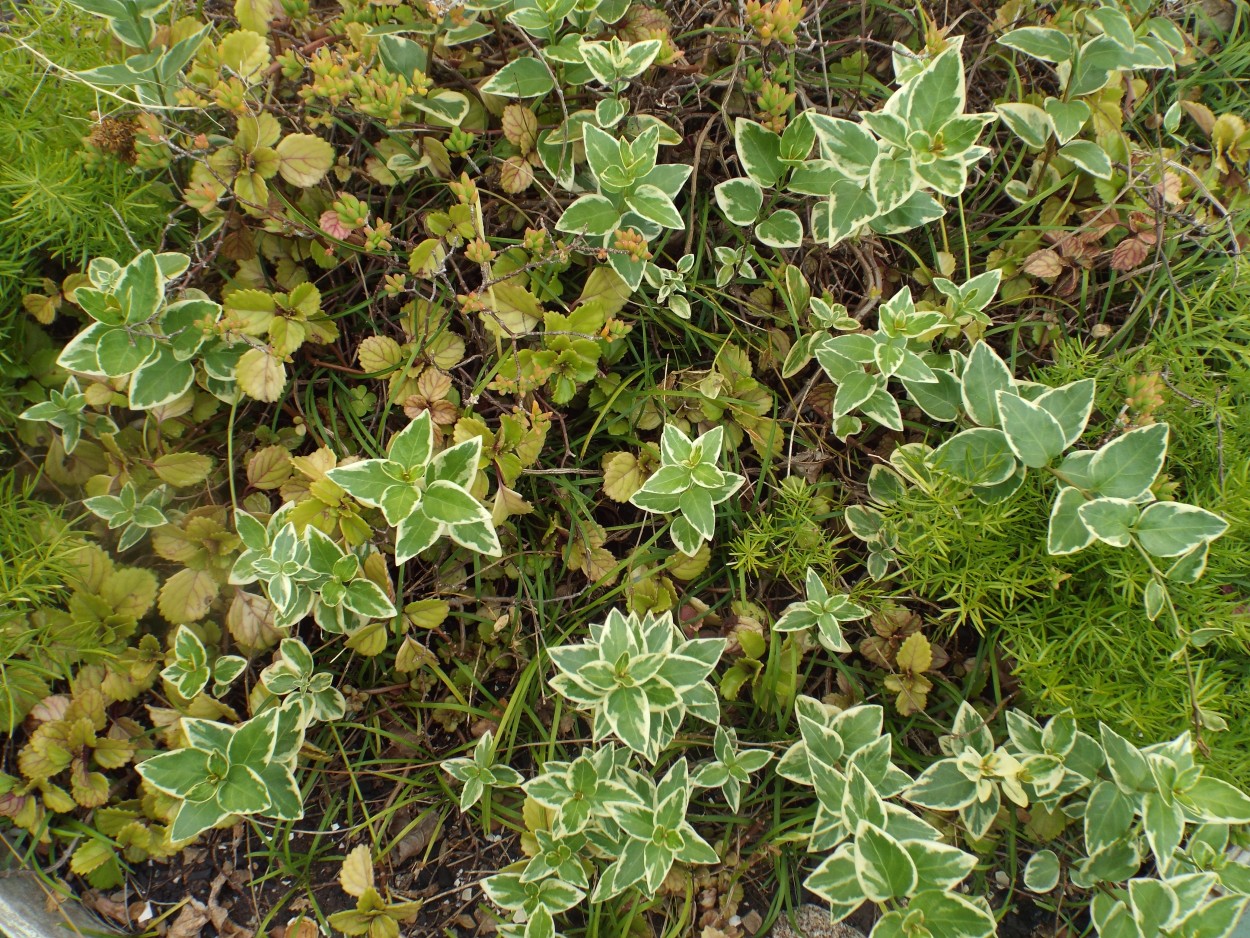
{"x":190,"y":921}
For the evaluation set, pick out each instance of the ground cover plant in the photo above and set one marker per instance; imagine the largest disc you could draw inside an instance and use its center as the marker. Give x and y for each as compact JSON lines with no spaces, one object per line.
{"x":609,"y":469}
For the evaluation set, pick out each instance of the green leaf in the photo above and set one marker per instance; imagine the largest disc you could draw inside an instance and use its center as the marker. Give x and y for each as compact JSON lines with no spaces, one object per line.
{"x":1153,"y":598}
{"x":1216,"y":918}
{"x":759,"y":152}
{"x":937,"y":95}
{"x":1070,"y":405}
{"x":939,"y":865}
{"x":1027,"y":121}
{"x":782,"y":229}
{"x":521,"y":78}
{"x":176,"y":772}
{"x":450,"y":504}
{"x":1067,"y":117}
{"x":629,"y":716}
{"x":1217,"y":801}
{"x":949,"y":915}
{"x":1170,"y":529}
{"x":984,"y":375}
{"x":1110,"y":519}
{"x":980,"y":456}
{"x":120,"y":351}
{"x":477,"y":535}
{"x":242,"y":791}
{"x":1164,"y":825}
{"x":1098,"y":59}
{"x":740,"y":200}
{"x":653,"y":205}
{"x":1049,"y":45}
{"x":193,"y":818}
{"x":1128,"y":766}
{"x":366,"y":598}
{"x":413,"y":535}
{"x":892,"y":179}
{"x":160,"y":380}
{"x":1067,"y":533}
{"x":1128,"y":465}
{"x":1033,"y":434}
{"x":884,"y":868}
{"x":942,"y":787}
{"x":368,"y":482}
{"x":835,"y":881}
{"x":1088,"y":156}
{"x":413,"y":446}
{"x":591,"y":215}
{"x":1115,"y":24}
{"x":850,"y":147}
{"x":401,"y":56}
{"x":1041,"y":873}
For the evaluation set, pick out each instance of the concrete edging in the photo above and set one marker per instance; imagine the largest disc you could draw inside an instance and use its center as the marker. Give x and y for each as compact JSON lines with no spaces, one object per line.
{"x":24,"y":911}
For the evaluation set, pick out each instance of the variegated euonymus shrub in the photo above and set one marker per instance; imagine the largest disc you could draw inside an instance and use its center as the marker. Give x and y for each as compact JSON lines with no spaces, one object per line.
{"x":640,"y":678}
{"x":1104,"y":494}
{"x":689,"y":484}
{"x":1149,"y":817}
{"x":882,"y":173}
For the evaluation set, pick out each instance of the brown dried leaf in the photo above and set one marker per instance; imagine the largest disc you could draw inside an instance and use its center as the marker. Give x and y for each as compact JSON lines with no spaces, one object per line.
{"x":1045,"y":263}
{"x":1129,"y":254}
{"x":190,"y":921}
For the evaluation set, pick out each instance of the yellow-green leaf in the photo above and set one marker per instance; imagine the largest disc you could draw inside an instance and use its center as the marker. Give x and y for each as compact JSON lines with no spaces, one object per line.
{"x":261,"y":375}
{"x":605,"y":286}
{"x":622,"y":476}
{"x":306,"y":159}
{"x":187,"y":596}
{"x":357,"y":873}
{"x":182,"y":470}
{"x":427,"y":613}
{"x":369,"y":641}
{"x":380,"y":354}
{"x":246,"y":54}
{"x":915,"y":655}
{"x":268,"y":468}
{"x":255,"y":14}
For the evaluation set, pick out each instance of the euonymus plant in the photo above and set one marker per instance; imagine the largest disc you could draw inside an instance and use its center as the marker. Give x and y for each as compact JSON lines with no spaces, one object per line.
{"x":689,"y":483}
{"x":139,"y":334}
{"x":226,"y":770}
{"x":883,"y":172}
{"x":640,"y":677}
{"x":423,"y":494}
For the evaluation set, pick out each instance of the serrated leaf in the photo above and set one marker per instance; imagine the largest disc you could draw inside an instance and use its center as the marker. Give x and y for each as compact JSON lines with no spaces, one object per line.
{"x":356,"y":874}
{"x":182,"y":470}
{"x":304,"y":159}
{"x":187,"y":596}
{"x":379,"y":355}
{"x":261,"y":375}
{"x":622,"y":476}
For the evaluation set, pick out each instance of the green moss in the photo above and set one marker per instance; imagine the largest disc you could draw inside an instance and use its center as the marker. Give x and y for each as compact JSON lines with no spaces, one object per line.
{"x":1073,"y":629}
{"x":55,"y":211}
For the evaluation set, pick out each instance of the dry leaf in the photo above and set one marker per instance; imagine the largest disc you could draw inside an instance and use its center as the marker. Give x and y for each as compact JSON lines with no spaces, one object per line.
{"x":190,"y":921}
{"x":1044,"y":263}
